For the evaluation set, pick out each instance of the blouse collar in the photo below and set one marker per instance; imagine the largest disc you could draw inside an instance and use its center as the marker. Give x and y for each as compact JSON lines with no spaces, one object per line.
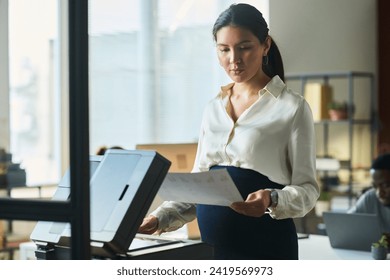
{"x":274,"y":87}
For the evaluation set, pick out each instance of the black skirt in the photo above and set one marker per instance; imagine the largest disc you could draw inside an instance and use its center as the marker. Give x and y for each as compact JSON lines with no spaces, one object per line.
{"x":236,"y":236}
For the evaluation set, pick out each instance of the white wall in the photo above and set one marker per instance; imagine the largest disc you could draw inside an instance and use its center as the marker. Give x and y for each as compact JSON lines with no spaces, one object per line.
{"x":331,"y":35}
{"x":4,"y":86}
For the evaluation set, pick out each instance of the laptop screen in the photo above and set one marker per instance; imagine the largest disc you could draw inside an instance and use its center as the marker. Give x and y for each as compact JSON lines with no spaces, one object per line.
{"x":354,"y":231}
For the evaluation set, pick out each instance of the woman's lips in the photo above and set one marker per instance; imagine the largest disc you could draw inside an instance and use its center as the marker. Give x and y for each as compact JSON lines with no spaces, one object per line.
{"x":236,"y":71}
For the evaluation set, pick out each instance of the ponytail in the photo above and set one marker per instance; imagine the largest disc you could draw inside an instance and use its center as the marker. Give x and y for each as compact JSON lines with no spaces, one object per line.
{"x":275,"y":62}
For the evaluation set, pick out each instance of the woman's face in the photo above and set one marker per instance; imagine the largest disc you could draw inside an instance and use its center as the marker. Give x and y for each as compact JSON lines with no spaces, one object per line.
{"x":240,"y":53}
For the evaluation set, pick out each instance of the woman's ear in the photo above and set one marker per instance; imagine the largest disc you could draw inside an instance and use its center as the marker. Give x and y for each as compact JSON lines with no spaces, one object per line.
{"x":267,"y":45}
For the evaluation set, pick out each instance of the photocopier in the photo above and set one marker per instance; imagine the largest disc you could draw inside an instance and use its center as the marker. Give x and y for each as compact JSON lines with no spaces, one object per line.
{"x":123,"y":185}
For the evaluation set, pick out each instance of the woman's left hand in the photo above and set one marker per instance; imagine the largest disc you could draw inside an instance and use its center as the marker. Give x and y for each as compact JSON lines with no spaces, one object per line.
{"x":255,"y":204}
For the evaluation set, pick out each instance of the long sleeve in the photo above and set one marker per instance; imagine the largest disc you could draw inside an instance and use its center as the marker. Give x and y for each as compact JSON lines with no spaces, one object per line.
{"x":299,"y":197}
{"x":173,"y":215}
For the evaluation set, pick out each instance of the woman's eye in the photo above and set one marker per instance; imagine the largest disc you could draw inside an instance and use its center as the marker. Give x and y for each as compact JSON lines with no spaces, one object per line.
{"x":223,"y":50}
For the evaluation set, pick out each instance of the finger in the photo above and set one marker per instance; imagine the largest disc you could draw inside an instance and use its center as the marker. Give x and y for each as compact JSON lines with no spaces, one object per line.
{"x":149,"y":225}
{"x":248,"y":208}
{"x":238,"y":205}
{"x":147,"y":230}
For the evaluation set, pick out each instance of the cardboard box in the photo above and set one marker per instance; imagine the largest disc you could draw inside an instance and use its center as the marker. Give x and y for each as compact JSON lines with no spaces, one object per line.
{"x":318,"y":96}
{"x":182,"y":157}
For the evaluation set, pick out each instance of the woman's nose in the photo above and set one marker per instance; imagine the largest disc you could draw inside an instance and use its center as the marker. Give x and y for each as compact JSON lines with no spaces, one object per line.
{"x":235,"y":58}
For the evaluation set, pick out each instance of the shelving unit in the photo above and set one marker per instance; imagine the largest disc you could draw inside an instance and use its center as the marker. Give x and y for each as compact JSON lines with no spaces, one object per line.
{"x":350,"y":78}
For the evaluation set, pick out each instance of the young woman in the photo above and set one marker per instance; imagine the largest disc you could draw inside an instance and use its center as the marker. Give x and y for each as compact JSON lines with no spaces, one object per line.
{"x":263,"y":134}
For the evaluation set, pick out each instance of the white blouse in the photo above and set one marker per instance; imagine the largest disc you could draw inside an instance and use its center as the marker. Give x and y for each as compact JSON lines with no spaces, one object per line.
{"x":274,"y":136}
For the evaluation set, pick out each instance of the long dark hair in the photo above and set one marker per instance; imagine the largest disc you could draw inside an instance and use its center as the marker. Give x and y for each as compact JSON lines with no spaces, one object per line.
{"x":248,"y":17}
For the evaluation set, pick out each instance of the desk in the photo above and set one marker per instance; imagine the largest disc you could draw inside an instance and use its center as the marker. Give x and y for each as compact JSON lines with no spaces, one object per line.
{"x":41,"y":191}
{"x":13,"y":187}
{"x":317,"y":247}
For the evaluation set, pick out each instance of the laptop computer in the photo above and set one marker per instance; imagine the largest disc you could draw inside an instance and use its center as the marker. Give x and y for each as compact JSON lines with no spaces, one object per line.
{"x":353,"y":231}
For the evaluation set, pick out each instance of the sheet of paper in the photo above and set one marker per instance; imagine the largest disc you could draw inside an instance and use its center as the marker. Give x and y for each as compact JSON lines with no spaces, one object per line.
{"x":214,"y":187}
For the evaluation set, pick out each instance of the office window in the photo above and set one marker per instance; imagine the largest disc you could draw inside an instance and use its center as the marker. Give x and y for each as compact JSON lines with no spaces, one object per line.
{"x":153,"y":68}
{"x":32,"y":56}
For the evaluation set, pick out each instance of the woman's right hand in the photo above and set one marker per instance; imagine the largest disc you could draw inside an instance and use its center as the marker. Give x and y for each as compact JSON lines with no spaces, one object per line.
{"x":149,"y":225}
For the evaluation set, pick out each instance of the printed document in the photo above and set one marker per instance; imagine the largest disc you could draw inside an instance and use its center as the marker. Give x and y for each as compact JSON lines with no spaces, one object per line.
{"x":214,"y":187}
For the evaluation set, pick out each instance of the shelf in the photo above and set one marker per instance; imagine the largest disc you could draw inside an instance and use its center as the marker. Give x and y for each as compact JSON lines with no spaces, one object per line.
{"x":337,"y":74}
{"x":349,"y":123}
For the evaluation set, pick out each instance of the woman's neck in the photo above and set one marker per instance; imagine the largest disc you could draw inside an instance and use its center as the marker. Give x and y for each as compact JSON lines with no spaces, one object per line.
{"x":250,"y":88}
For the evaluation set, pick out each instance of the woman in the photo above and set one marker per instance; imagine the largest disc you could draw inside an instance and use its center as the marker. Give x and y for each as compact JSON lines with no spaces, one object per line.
{"x":263,"y":134}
